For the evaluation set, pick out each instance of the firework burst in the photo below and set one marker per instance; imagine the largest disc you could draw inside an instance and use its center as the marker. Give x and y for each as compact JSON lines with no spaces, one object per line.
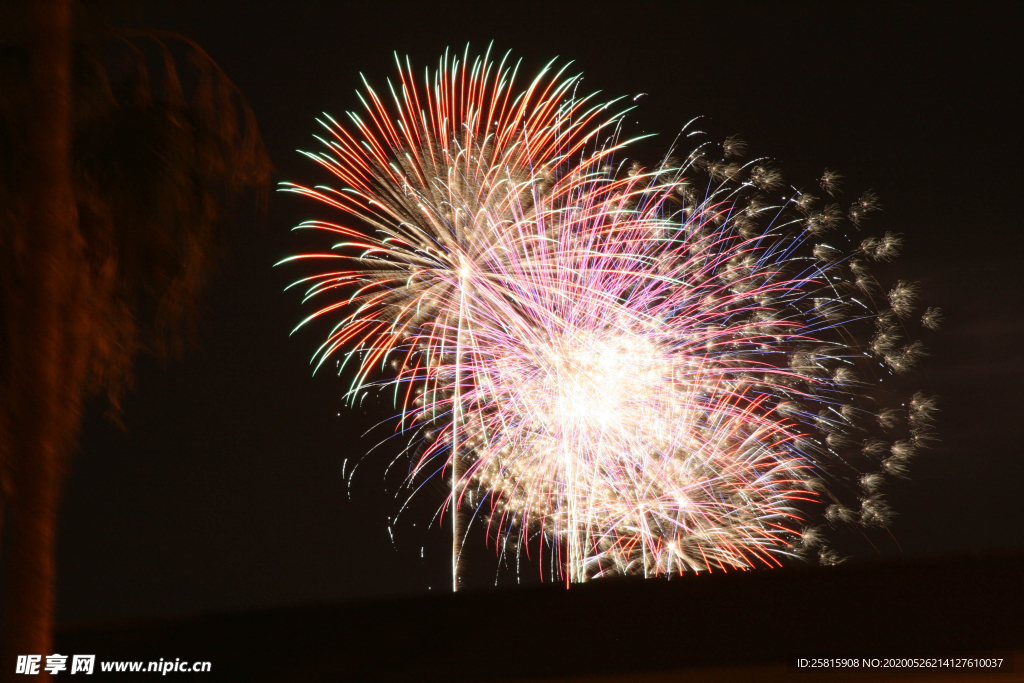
{"x":650,"y":370}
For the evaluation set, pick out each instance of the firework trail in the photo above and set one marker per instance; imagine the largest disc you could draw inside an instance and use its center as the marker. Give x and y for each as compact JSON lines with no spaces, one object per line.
{"x":649,"y":370}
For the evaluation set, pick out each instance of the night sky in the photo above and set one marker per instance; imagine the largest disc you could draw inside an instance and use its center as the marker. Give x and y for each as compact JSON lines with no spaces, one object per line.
{"x":226,"y":489}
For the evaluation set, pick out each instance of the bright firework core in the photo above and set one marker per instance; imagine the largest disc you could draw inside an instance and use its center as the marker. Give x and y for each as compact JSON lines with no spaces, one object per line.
{"x":596,"y":384}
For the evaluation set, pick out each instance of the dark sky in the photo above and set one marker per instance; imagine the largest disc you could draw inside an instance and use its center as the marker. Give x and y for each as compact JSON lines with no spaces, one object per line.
{"x":226,"y":490}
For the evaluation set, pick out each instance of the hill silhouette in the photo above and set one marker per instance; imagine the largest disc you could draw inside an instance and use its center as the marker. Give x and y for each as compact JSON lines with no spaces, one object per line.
{"x":716,"y":627}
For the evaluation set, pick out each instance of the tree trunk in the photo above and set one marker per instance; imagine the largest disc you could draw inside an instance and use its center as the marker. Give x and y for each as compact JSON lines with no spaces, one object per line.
{"x":45,"y":410}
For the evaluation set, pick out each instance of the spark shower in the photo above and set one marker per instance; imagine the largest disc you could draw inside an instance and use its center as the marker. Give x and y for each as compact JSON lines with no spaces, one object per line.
{"x":637,"y":368}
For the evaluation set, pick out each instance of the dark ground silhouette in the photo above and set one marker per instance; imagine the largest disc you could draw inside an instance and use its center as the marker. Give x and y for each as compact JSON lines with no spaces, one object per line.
{"x":703,"y":627}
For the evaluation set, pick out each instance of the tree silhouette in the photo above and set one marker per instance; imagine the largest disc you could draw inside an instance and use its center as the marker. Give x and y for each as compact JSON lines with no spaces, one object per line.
{"x":113,"y":174}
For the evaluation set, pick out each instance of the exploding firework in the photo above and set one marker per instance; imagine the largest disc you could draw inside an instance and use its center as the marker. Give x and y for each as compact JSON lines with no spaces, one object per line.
{"x":650,"y":370}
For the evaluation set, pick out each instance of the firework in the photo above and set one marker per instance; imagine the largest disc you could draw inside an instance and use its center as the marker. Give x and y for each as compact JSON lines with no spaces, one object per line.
{"x":441,"y":176}
{"x":650,"y":370}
